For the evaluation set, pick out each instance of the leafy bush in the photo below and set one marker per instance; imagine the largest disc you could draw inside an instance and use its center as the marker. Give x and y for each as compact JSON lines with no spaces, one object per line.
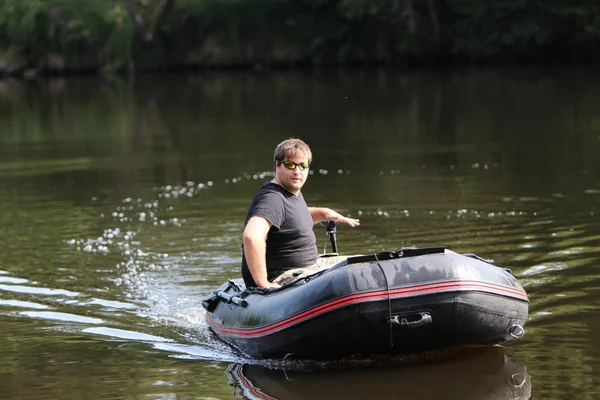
{"x":119,"y":34}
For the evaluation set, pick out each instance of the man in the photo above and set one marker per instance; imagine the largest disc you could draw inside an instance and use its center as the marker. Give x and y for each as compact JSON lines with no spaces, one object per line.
{"x":278,"y":231}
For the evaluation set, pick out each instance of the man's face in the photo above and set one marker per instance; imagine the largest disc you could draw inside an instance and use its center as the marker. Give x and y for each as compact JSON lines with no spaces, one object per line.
{"x":292,"y":179}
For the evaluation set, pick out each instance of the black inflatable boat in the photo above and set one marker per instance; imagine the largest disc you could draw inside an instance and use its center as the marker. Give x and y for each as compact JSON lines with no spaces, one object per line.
{"x":393,"y":302}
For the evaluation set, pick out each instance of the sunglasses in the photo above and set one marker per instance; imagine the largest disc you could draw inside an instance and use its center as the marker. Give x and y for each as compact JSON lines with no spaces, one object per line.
{"x":292,"y":165}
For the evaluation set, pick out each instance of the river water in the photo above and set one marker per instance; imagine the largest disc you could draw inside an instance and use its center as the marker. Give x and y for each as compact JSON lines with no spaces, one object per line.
{"x":122,"y":205}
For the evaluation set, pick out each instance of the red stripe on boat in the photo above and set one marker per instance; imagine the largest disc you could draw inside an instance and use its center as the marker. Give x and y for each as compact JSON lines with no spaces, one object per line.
{"x":372,"y":296}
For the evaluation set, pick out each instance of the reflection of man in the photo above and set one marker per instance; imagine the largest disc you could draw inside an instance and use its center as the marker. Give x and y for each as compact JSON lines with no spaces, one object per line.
{"x":278,"y":231}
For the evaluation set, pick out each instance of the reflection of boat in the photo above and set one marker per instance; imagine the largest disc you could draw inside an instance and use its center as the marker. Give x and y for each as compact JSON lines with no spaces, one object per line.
{"x":483,"y":373}
{"x":388,"y":303}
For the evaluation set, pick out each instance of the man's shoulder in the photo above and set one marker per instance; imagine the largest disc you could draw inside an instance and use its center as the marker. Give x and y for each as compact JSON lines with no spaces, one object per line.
{"x":270,"y":189}
{"x":268,"y":203}
{"x":269,"y":192}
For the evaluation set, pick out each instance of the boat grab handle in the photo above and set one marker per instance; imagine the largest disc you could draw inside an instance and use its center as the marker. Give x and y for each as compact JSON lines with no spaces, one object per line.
{"x":424,"y":319}
{"x":516,"y":331}
{"x":518,"y":380}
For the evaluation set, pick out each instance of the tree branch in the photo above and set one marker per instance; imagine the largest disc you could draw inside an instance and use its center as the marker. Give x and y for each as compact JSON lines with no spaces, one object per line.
{"x":147,"y":29}
{"x":136,"y":15}
{"x":409,"y":14}
{"x":435,"y":21}
{"x":161,"y":14}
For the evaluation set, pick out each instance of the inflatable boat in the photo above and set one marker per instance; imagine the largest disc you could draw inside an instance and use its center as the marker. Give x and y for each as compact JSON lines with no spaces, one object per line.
{"x":401,"y":301}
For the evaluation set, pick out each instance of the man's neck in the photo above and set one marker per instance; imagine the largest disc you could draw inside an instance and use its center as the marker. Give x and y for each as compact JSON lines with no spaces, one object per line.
{"x":275,"y":181}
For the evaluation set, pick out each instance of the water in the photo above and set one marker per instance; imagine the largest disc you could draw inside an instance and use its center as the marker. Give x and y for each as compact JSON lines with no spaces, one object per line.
{"x":123,"y":203}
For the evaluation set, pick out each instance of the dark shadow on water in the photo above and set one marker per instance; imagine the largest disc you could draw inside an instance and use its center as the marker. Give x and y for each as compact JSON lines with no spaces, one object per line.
{"x":470,"y":373}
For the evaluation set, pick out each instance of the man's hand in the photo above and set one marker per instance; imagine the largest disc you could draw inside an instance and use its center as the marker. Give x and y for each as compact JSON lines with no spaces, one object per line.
{"x":319,"y":214}
{"x":353,"y":222}
{"x":269,"y":285}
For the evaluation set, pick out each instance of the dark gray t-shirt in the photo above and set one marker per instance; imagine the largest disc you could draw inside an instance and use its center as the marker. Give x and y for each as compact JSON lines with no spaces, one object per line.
{"x":291,"y":242}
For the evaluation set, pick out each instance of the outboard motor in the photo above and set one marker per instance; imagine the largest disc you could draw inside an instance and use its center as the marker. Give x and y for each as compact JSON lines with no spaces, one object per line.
{"x":330,"y":230}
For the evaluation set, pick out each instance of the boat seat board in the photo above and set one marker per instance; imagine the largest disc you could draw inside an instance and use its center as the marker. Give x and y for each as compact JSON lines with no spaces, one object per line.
{"x":322,"y":264}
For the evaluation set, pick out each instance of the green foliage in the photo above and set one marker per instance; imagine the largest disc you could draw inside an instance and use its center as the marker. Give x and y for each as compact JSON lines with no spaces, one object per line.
{"x":81,"y":32}
{"x":104,"y":34}
{"x":524,"y":28}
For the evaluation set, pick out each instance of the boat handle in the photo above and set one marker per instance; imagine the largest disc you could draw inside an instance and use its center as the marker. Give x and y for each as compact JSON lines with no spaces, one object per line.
{"x":516,"y":331}
{"x":519,"y":379}
{"x":425,"y":319}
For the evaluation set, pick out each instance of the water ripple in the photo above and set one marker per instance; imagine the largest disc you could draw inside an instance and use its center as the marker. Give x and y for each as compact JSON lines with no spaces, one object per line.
{"x":6,"y":279}
{"x":60,"y":316}
{"x":22,"y":304}
{"x":125,"y":334}
{"x":112,"y":304}
{"x":38,"y":291}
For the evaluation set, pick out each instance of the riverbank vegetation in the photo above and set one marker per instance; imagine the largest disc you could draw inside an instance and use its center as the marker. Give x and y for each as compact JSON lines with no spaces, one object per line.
{"x":59,"y":36}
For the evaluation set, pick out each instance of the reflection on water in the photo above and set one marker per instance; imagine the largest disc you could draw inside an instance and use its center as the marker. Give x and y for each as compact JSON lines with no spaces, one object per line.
{"x":123,"y":204}
{"x":480,"y":373}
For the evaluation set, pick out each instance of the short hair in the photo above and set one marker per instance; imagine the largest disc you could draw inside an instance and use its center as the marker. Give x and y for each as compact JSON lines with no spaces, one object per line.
{"x":290,"y":148}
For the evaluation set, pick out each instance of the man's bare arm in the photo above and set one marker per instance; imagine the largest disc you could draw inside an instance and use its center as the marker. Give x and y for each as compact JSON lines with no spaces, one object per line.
{"x":319,"y":214}
{"x":255,"y":250}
